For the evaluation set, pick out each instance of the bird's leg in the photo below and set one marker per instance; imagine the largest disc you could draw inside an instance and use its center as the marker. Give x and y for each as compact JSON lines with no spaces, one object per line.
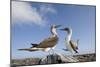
{"x":52,"y":51}
{"x":49,"y":52}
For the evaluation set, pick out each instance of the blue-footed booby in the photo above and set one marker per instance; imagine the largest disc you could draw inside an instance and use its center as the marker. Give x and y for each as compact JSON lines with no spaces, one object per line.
{"x":46,"y":44}
{"x":71,"y":45}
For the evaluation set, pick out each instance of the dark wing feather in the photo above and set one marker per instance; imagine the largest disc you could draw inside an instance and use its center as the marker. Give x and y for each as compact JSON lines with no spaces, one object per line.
{"x":74,"y":44}
{"x":50,"y":42}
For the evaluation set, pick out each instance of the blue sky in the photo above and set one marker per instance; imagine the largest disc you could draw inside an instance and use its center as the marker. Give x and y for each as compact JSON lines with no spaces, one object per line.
{"x":31,"y":24}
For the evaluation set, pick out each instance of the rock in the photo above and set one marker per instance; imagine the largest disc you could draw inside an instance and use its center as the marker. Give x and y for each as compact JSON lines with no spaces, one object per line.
{"x":53,"y":59}
{"x":57,"y":58}
{"x":86,"y":57}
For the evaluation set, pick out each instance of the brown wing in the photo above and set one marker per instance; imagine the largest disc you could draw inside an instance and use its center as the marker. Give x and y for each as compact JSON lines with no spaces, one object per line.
{"x":75,"y":46}
{"x":50,"y":42}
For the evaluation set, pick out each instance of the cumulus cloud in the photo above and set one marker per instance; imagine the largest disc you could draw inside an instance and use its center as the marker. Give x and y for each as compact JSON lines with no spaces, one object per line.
{"x":23,"y":12}
{"x":47,"y":8}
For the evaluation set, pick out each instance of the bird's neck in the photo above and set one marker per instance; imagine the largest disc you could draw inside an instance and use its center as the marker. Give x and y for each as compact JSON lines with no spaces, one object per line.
{"x":69,"y":37}
{"x":53,"y":31}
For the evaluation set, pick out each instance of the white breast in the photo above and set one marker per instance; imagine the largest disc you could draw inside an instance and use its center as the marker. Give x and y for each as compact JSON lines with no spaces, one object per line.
{"x":68,"y":46}
{"x":54,"y":31}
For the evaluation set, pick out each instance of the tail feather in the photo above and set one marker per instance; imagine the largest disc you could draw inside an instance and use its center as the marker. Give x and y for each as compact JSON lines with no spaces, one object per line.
{"x":77,"y":41}
{"x":23,"y":49}
{"x":77,"y":44}
{"x":76,"y":51}
{"x":27,"y":49}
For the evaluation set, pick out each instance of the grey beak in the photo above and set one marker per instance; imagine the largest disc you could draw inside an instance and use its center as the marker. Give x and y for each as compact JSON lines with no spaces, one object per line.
{"x":63,"y":29}
{"x":57,"y":26}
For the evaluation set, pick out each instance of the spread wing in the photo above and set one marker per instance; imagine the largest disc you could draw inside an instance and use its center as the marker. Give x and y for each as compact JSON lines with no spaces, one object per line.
{"x":49,"y":42}
{"x":75,"y":45}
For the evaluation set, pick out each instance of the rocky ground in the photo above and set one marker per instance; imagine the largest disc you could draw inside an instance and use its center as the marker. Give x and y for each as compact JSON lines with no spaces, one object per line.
{"x":86,"y":57}
{"x":58,"y":59}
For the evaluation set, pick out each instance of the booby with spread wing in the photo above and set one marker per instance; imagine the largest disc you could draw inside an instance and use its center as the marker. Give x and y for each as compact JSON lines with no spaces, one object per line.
{"x":71,"y":45}
{"x":46,"y":44}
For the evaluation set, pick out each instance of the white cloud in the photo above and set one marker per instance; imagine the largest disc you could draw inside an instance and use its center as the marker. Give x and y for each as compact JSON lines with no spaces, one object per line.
{"x":23,"y":12}
{"x":47,"y":8}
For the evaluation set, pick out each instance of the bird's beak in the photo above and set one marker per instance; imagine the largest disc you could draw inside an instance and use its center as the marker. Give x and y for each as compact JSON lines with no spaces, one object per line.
{"x":57,"y":26}
{"x":63,"y":29}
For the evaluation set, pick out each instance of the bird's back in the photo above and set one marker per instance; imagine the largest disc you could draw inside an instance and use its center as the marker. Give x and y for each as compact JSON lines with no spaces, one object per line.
{"x":73,"y":45}
{"x":49,"y":42}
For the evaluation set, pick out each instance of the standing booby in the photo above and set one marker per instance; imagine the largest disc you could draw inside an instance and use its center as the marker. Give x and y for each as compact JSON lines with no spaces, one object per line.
{"x":70,"y":44}
{"x":46,"y":44}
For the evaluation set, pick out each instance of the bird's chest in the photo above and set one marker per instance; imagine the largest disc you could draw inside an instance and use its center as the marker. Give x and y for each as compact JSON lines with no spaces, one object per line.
{"x":67,"y":41}
{"x":67,"y":44}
